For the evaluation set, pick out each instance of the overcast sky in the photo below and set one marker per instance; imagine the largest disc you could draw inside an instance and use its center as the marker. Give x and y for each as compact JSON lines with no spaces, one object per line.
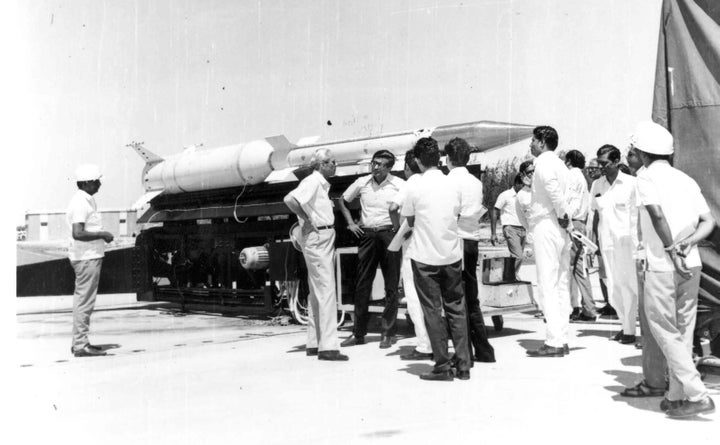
{"x":96,"y":75}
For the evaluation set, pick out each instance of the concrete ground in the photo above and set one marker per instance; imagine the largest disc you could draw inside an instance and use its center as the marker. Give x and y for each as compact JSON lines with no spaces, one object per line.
{"x":201,"y":378}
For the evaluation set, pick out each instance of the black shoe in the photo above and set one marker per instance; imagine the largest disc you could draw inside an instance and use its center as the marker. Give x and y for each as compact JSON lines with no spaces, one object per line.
{"x":386,"y":341}
{"x":462,"y":375}
{"x":667,"y":405}
{"x":546,"y":351}
{"x":484,"y":359}
{"x":582,"y":318}
{"x":310,"y":352}
{"x":333,"y":356}
{"x":352,"y":341}
{"x":688,"y":408}
{"x":607,"y":310}
{"x":617,"y":337}
{"x":566,"y":349}
{"x":416,"y":355}
{"x":627,"y":339}
{"x":575,"y":314}
{"x":88,"y":352}
{"x":445,"y":376}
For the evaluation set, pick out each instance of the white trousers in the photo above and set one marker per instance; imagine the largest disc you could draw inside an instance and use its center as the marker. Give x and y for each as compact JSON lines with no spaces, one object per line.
{"x":552,"y":261}
{"x":413,"y":303}
{"x":319,"y":253}
{"x":622,"y":282}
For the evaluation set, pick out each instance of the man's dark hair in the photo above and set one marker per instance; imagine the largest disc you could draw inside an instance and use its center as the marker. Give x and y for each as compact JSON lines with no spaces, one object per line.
{"x":411,"y":162}
{"x":458,"y":151}
{"x":575,"y":158}
{"x":612,"y":152}
{"x":518,"y":180}
{"x":386,"y":155}
{"x":524,"y":166}
{"x":546,"y":135}
{"x":427,"y":152}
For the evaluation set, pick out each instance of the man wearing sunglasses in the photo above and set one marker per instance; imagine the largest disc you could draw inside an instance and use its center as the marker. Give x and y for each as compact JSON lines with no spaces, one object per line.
{"x":375,"y":231}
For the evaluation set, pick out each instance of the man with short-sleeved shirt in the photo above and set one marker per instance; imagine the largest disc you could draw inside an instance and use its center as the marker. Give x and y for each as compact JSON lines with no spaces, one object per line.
{"x":432,"y":207}
{"x":674,"y":217}
{"x":86,"y":253}
{"x":472,"y":209}
{"x":312,"y":205}
{"x":515,"y":235}
{"x":579,"y":203}
{"x":375,"y":232}
{"x":616,"y":227}
{"x":549,"y":221}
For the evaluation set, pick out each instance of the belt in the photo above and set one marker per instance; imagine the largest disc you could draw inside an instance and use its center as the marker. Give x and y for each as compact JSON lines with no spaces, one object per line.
{"x":325,"y":227}
{"x":377,"y":229}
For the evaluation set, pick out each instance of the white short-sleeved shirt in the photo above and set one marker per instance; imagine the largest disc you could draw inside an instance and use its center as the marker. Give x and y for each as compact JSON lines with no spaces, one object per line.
{"x":374,"y":198}
{"x":617,"y":207}
{"x":577,"y":194}
{"x":471,"y":191}
{"x":82,"y":209}
{"x":507,"y":204}
{"x":435,"y":204}
{"x":312,"y":195}
{"x":549,"y":188}
{"x":682,"y":203}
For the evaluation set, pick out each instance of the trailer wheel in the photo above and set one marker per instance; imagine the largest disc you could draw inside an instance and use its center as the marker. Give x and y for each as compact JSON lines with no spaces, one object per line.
{"x":497,"y":321}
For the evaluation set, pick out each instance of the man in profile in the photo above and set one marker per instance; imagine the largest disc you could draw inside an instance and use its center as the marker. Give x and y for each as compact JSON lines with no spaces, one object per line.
{"x":86,"y":253}
{"x":471,"y":210}
{"x":432,"y":207}
{"x":311,"y":203}
{"x":549,"y":221}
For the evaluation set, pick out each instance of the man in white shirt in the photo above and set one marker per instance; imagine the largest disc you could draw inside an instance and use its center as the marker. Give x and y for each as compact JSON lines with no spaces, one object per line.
{"x":472,"y":209}
{"x":614,"y":200}
{"x":513,"y":230}
{"x":579,"y":202}
{"x":432,"y":207}
{"x":311,"y":203}
{"x":423,"y":350}
{"x":549,"y":221}
{"x":86,"y":253}
{"x":674,"y":217}
{"x":375,"y":232}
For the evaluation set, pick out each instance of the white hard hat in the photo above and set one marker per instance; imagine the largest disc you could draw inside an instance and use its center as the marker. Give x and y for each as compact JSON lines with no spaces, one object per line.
{"x":87,"y":172}
{"x":652,"y":138}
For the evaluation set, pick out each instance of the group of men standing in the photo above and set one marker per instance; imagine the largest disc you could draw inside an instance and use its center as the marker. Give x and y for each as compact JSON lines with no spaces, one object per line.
{"x":438,"y":263}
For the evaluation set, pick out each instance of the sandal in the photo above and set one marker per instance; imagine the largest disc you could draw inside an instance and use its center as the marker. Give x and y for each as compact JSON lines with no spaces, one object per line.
{"x":642,"y":390}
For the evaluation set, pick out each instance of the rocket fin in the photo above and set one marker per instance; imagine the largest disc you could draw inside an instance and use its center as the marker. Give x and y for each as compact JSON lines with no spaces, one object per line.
{"x":281,"y":147}
{"x":148,"y":156}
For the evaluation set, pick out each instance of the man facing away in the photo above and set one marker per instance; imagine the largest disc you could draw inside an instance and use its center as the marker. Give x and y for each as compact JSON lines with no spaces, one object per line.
{"x":549,"y":220}
{"x":471,"y":210}
{"x":375,"y":232}
{"x":674,"y":217}
{"x":432,"y":207}
{"x":86,"y":253}
{"x":513,"y":230}
{"x":614,"y":200}
{"x":311,"y":203}
{"x":423,"y":350}
{"x":579,"y":202}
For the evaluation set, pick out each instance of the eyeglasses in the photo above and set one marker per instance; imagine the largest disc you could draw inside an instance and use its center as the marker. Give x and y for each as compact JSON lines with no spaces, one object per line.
{"x":329,"y":161}
{"x":529,"y":172}
{"x":378,"y":164}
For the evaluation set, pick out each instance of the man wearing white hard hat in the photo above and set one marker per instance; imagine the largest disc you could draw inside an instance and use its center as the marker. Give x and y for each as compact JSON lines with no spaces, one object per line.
{"x":86,"y":252}
{"x":674,"y":217}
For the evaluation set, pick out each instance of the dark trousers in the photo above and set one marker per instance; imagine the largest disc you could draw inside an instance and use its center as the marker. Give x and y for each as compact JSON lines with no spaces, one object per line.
{"x":440,"y":288}
{"x":476,"y":324}
{"x":371,"y":252}
{"x":580,"y":278}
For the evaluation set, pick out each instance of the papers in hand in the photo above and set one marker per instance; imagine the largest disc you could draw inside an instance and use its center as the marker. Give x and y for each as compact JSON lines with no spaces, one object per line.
{"x":589,"y":245}
{"x":397,"y":241}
